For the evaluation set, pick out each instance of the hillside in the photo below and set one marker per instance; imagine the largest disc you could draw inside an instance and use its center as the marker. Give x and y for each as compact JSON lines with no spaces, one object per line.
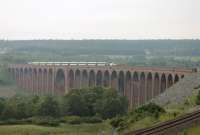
{"x":179,"y":92}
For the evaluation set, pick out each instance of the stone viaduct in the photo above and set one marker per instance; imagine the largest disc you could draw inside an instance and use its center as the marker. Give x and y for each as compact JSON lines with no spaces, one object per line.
{"x":138,"y":84}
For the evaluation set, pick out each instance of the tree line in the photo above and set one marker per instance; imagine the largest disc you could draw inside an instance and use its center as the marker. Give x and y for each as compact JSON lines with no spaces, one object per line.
{"x":94,"y":102}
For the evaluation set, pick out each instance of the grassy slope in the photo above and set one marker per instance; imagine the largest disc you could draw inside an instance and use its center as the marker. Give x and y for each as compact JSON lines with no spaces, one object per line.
{"x":192,"y":131}
{"x":172,"y":111}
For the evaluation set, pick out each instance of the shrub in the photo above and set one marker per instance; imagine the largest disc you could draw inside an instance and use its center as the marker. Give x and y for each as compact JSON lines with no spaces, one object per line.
{"x":198,"y":98}
{"x":111,"y":105}
{"x":68,"y":119}
{"x":89,"y":102}
{"x":150,"y":109}
{"x":48,"y":107}
{"x":44,"y":121}
{"x":91,"y":119}
{"x":115,"y":122}
{"x":79,"y":120}
{"x":119,"y":123}
{"x":75,"y":120}
{"x":11,"y":122}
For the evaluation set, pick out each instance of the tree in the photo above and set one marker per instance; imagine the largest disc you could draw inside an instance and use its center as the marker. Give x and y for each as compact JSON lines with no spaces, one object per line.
{"x":48,"y":107}
{"x":111,"y":105}
{"x":75,"y":104}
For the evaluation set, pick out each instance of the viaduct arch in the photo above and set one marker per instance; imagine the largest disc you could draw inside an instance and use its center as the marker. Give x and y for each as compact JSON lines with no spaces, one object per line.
{"x":138,"y":84}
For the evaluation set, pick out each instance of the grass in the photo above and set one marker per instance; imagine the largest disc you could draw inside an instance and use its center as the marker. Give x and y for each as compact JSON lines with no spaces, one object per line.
{"x":191,"y":131}
{"x":65,"y":129}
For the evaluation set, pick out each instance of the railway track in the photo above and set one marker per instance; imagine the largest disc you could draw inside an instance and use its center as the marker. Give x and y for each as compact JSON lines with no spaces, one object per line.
{"x":172,"y":125}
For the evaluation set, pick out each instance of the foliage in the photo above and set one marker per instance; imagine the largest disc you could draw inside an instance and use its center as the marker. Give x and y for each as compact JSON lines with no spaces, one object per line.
{"x":78,"y":119}
{"x":44,"y":121}
{"x":79,"y":106}
{"x":148,"y":110}
{"x":107,"y":103}
{"x":198,"y":98}
{"x":5,"y":78}
{"x":48,"y":107}
{"x":111,"y":105}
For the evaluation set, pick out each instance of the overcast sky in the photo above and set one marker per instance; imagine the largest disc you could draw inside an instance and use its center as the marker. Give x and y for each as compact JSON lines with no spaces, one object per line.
{"x":99,"y":19}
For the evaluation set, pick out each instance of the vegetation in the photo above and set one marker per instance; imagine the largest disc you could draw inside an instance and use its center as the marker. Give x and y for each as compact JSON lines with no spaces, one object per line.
{"x":191,"y":131}
{"x":65,"y":129}
{"x":149,"y":110}
{"x":198,"y":98}
{"x":95,"y":101}
{"x":79,"y":106}
{"x":88,"y":111}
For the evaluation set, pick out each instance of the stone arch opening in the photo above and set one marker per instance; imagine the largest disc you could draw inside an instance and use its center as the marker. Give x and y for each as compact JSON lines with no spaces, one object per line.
{"x":114,"y":80}
{"x":91,"y":79}
{"x":18,"y":76}
{"x":99,"y":79}
{"x":156,"y":85}
{"x":176,"y":78}
{"x":121,"y":83}
{"x":30,"y":79}
{"x":13,"y":73}
{"x":35,"y":83}
{"x":106,"y":79}
{"x":149,"y":86}
{"x":142,"y":88}
{"x":60,"y":82}
{"x":78,"y":79}
{"x":163,"y":83}
{"x":9,"y":70}
{"x":128,"y":87}
{"x":50,"y":81}
{"x":45,"y":81}
{"x":71,"y":79}
{"x":21,"y":77}
{"x":135,"y":93}
{"x":40,"y":81}
{"x":26,"y":78}
{"x":84,"y":79}
{"x":169,"y":81}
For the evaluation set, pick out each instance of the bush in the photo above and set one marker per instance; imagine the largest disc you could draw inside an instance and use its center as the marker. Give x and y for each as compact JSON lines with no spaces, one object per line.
{"x":11,"y":122}
{"x":150,"y":109}
{"x":198,"y":98}
{"x":44,"y":121}
{"x":48,"y":107}
{"x":79,"y":120}
{"x":91,"y":119}
{"x":75,"y":120}
{"x":111,"y":105}
{"x":119,"y":123}
{"x":115,"y":122}
{"x":89,"y":102}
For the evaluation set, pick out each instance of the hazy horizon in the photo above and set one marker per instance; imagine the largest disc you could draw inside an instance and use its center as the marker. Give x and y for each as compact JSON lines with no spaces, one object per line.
{"x":94,"y":19}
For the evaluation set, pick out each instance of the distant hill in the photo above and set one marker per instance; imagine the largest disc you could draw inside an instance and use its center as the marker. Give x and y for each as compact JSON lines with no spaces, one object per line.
{"x":132,"y":52}
{"x":108,"y":47}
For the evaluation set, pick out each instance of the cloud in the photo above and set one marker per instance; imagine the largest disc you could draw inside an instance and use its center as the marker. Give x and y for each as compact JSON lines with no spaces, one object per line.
{"x":131,"y":19}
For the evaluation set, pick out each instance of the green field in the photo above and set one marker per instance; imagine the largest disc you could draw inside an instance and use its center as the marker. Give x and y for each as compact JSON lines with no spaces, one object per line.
{"x":83,"y":129}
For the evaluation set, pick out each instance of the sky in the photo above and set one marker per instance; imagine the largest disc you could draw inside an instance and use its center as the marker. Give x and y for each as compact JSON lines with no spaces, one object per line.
{"x":99,"y":19}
